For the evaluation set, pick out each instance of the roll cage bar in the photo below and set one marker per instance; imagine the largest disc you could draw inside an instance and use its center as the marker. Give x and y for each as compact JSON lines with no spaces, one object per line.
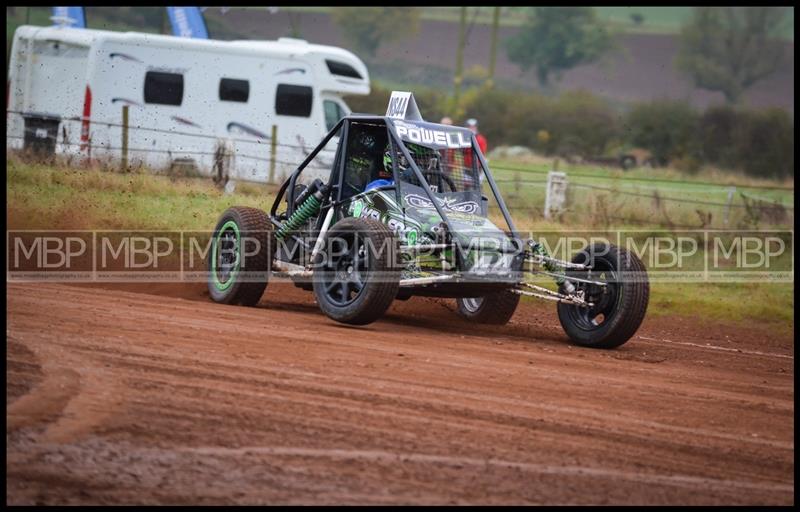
{"x":338,"y":167}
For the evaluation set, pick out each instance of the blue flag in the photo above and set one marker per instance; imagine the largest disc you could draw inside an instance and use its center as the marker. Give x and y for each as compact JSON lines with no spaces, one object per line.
{"x":187,"y":22}
{"x":69,"y":16}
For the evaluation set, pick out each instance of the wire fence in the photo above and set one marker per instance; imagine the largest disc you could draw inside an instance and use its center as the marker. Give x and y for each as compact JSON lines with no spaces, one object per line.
{"x":255,"y":140}
{"x":675,"y":199}
{"x":151,"y":150}
{"x":653,"y":187}
{"x":648,"y":195}
{"x":225,"y":146}
{"x":631,"y":204}
{"x":646,"y":180}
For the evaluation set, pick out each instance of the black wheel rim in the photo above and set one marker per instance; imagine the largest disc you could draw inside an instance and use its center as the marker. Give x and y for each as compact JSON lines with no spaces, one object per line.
{"x":345,"y":271}
{"x":604,"y":298}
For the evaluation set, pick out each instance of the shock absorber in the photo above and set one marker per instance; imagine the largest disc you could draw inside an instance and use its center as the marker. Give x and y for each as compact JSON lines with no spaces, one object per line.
{"x":309,"y":208}
{"x":539,"y":250}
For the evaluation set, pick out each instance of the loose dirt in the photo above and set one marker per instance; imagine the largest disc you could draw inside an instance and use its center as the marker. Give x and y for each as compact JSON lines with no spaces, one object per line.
{"x":153,"y":394}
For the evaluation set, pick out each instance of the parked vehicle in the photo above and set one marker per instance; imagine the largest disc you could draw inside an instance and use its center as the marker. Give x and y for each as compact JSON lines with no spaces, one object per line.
{"x":186,"y":97}
{"x":627,"y":158}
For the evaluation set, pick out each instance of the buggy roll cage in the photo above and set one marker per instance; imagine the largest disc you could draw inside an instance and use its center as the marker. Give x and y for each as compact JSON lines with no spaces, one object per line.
{"x":329,"y":203}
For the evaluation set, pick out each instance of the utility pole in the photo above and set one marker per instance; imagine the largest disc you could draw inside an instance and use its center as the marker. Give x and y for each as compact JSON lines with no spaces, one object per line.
{"x":460,"y":55}
{"x":493,"y":50}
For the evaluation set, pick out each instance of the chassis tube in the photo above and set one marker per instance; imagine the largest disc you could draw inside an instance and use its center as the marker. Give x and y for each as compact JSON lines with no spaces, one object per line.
{"x":495,"y":190}
{"x":426,"y":187}
{"x":293,"y":179}
{"x":325,"y":225}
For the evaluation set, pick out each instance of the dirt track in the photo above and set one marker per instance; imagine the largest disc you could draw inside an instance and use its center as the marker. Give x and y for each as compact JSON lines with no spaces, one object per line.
{"x":122,"y":397}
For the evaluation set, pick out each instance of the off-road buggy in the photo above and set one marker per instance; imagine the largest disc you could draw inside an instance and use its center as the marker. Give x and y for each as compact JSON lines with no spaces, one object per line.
{"x":404,"y":210}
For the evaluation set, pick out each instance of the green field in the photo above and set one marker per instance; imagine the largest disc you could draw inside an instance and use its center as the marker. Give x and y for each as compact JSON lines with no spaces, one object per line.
{"x":666,"y":20}
{"x":654,"y":20}
{"x":647,"y":197}
{"x":657,"y":20}
{"x":42,"y":197}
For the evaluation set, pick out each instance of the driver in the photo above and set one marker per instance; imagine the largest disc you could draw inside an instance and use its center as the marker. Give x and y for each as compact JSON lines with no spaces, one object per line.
{"x":426,"y":159}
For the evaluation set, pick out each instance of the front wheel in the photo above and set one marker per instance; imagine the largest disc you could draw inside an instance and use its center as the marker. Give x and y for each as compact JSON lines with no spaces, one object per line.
{"x":356,"y":276}
{"x":618,"y":307}
{"x":240,"y":256}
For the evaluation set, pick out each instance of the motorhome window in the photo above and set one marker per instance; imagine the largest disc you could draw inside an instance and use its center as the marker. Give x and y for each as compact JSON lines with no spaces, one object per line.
{"x":231,"y":89}
{"x":333,"y":112}
{"x":293,"y":100}
{"x":340,"y":68}
{"x":163,"y":88}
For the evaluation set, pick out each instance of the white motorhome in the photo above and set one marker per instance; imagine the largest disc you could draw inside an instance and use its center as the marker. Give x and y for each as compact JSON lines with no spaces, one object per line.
{"x":186,"y":97}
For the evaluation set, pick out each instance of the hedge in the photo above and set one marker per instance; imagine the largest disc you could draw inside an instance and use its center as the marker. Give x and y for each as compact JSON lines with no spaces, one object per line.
{"x":758,"y":142}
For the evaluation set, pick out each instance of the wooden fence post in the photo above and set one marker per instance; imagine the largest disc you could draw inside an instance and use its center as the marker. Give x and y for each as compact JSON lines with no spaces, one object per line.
{"x":731,"y":192}
{"x":273,"y":149}
{"x":555,"y":195}
{"x":125,"y":137}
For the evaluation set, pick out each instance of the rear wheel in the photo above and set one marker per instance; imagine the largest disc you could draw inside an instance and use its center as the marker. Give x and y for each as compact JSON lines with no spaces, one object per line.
{"x":618,"y":307}
{"x":240,"y":256}
{"x":495,"y":308}
{"x":355,"y":279}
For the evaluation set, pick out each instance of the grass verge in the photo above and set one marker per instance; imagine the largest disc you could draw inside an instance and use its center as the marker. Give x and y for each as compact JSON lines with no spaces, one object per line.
{"x":43,"y":197}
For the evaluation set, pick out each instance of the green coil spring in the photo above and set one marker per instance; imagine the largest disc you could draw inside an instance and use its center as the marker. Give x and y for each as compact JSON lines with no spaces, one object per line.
{"x":308,"y":209}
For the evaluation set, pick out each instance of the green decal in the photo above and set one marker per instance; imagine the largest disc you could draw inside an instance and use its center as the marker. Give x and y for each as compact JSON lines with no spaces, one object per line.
{"x":232,"y":277}
{"x":411,"y":237}
{"x":357,"y":207}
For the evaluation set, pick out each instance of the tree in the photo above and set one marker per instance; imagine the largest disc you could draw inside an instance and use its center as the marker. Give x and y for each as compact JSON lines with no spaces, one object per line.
{"x":728,"y":49}
{"x":668,"y":129}
{"x":555,"y":39}
{"x":367,"y":27}
{"x":493,"y":49}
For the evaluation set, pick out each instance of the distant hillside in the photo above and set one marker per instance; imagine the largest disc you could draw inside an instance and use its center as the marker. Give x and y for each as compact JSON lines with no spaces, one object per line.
{"x":642,"y":70}
{"x":633,"y":20}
